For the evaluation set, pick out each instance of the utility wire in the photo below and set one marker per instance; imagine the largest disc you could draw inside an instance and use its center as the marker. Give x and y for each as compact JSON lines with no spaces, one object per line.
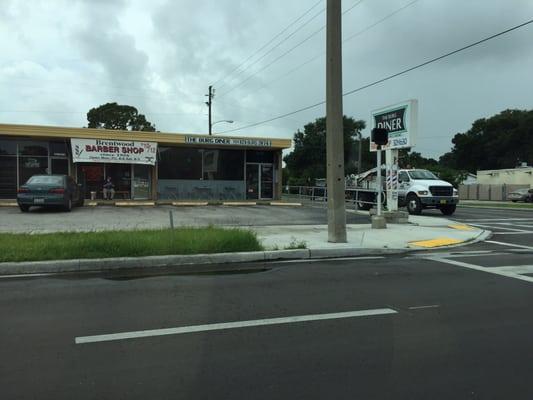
{"x":344,"y":41}
{"x":286,"y":52}
{"x":405,"y":71}
{"x":272,"y":40}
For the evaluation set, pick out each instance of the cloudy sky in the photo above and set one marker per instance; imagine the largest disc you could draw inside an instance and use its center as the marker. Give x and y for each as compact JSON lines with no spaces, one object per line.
{"x":60,"y":58}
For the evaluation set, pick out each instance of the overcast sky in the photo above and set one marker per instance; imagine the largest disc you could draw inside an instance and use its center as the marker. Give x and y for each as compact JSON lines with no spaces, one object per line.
{"x":60,"y":58}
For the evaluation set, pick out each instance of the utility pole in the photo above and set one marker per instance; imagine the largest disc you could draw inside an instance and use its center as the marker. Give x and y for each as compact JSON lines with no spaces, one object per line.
{"x":360,"y":149}
{"x":209,"y":102}
{"x":334,"y":125}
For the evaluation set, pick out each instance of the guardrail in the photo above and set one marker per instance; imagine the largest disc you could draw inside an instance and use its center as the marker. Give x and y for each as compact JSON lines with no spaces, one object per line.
{"x":360,"y":198}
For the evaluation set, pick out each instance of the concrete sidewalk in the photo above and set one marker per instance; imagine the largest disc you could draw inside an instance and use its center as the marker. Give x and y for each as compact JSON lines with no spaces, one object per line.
{"x":421,"y":232}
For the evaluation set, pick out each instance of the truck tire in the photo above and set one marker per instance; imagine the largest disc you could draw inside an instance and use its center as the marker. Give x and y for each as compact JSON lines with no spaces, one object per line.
{"x":24,"y":208}
{"x":414,"y":205}
{"x":361,"y":205}
{"x":448,"y":209}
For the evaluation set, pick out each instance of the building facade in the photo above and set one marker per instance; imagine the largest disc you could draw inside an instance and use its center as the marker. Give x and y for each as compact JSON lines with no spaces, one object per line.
{"x":143,"y":165}
{"x":511,"y":176}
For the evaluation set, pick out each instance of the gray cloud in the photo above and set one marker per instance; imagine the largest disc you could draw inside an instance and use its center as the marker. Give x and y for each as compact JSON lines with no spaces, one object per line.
{"x":63,"y":57}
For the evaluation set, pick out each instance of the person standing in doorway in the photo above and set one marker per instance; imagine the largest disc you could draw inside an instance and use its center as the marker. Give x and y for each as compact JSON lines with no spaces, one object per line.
{"x":109,"y":189}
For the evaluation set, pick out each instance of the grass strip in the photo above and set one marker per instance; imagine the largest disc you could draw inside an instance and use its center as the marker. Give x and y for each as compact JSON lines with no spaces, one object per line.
{"x":75,"y":245}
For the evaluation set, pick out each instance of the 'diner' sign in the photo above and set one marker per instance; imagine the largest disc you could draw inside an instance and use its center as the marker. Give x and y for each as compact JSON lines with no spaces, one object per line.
{"x":113,"y":151}
{"x":400,"y":120}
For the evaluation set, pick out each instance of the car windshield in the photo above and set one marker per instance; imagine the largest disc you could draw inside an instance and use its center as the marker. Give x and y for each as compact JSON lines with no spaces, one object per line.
{"x":421,"y":174}
{"x":46,"y":179}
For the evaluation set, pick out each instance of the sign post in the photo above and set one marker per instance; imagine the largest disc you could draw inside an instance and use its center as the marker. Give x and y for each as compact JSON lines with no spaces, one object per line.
{"x":400,"y":120}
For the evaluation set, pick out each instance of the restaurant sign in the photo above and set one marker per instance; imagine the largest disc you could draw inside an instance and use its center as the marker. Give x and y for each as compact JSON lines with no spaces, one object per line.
{"x":113,"y":151}
{"x":228,"y":141}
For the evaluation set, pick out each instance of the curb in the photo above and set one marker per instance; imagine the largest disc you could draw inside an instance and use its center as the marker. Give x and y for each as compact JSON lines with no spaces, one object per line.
{"x":183,"y":263}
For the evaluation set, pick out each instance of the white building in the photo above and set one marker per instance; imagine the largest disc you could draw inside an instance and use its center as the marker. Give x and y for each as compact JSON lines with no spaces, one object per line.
{"x":512,"y":176}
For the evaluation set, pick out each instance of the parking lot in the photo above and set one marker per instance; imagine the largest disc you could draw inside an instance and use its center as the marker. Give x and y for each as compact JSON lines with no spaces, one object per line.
{"x":112,"y":218}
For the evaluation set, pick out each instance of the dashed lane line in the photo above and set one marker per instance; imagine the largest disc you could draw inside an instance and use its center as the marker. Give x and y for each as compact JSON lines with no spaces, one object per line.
{"x":510,"y":244}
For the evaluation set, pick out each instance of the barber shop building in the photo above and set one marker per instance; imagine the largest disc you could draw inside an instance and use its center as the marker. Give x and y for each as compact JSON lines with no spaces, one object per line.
{"x":143,"y":165}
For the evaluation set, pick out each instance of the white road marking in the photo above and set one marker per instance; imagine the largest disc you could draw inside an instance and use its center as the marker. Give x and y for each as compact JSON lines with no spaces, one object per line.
{"x":484,"y":269}
{"x":517,"y":269}
{"x":512,"y":233}
{"x":497,"y":219}
{"x":421,"y":307}
{"x":510,"y":244}
{"x":498,"y":227}
{"x":231,"y":325}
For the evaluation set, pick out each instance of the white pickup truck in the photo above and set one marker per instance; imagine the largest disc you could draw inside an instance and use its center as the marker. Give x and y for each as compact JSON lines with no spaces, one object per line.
{"x":420,"y":188}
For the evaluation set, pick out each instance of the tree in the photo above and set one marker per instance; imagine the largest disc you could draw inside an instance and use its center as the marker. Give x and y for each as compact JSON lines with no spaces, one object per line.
{"x":307,"y":161}
{"x":117,"y":116}
{"x":501,"y":141}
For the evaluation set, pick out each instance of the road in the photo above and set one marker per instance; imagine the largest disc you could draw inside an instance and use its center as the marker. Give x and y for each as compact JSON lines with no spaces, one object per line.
{"x":451,"y":324}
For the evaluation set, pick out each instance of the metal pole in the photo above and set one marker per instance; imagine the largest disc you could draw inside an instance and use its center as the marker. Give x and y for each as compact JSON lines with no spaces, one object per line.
{"x":334,"y":125}
{"x":378,"y":180}
{"x":171,"y":219}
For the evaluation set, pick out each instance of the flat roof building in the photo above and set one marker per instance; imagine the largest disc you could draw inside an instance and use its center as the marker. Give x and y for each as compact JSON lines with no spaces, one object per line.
{"x":143,"y":165}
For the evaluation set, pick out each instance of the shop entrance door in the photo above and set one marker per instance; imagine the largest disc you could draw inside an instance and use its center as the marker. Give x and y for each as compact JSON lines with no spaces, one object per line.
{"x":259,"y":181}
{"x":121,"y":177}
{"x":141,"y":182}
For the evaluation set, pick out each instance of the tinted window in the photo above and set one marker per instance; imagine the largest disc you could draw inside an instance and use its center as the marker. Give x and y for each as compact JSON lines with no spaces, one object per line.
{"x":29,"y":166}
{"x":179,"y":163}
{"x":33,"y":148}
{"x":223,"y":164}
{"x":58,"y":149}
{"x":47,"y":179}
{"x":259,"y":156}
{"x":8,"y":177}
{"x":8,"y":147}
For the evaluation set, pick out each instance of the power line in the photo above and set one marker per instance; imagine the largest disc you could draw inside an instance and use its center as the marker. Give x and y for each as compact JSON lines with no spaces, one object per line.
{"x":287,"y":52}
{"x":344,"y":41}
{"x":271,"y":40}
{"x":405,"y":71}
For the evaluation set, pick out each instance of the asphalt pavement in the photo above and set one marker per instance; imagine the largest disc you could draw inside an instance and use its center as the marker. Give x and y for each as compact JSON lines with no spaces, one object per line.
{"x":449,"y":324}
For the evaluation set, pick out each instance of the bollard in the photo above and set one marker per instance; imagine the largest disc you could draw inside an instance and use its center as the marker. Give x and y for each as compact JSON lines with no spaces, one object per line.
{"x":171,"y":219}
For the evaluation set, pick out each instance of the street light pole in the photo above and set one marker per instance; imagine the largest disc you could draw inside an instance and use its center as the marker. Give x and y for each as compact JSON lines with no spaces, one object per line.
{"x":334,"y":125}
{"x":229,"y":121}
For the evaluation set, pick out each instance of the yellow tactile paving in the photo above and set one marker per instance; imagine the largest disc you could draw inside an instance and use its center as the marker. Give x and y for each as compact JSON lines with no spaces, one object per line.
{"x":436,"y":242}
{"x":461,"y":227}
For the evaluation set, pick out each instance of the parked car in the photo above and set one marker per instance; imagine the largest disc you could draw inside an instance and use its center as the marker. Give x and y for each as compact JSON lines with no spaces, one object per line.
{"x":524,"y":194}
{"x":50,"y":190}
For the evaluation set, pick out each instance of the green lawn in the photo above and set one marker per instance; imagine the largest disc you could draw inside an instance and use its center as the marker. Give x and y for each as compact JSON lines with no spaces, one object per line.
{"x":70,"y":245}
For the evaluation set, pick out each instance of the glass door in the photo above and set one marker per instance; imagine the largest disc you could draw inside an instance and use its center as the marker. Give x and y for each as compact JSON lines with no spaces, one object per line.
{"x":267,"y":181}
{"x":252,"y":181}
{"x":141,"y":182}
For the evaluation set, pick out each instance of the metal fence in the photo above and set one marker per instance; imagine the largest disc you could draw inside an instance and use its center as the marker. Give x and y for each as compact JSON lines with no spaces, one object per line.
{"x":359,"y":198}
{"x":487,"y":191}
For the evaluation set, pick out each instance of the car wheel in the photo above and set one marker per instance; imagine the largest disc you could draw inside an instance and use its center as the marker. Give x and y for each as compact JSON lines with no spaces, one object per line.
{"x":514,"y":201}
{"x":24,"y":208}
{"x":414,"y":205}
{"x":68,"y":206}
{"x":448,"y":209}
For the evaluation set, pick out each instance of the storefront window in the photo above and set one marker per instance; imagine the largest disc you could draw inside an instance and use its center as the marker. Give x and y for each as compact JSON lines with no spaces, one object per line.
{"x":8,"y":147}
{"x":179,"y":163}
{"x":8,"y":177}
{"x":29,"y":166}
{"x":225,"y":165}
{"x":58,"y":149}
{"x":256,"y":156}
{"x":29,"y":148}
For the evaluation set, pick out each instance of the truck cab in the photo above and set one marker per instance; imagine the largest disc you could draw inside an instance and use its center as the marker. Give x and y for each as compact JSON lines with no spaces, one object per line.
{"x":419,"y":189}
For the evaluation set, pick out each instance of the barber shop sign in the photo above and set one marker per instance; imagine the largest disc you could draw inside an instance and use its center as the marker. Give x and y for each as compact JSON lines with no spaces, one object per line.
{"x":113,"y":151}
